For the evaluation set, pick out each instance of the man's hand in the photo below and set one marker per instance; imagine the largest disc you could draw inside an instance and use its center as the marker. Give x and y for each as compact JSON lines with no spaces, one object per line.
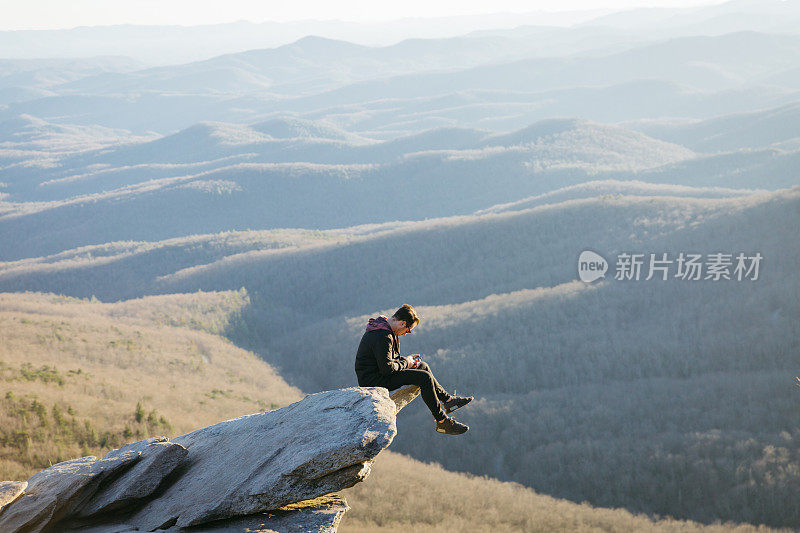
{"x":412,"y":362}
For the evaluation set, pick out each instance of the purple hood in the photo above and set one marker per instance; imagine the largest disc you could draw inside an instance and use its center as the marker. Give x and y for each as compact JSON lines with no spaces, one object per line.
{"x":379,"y":323}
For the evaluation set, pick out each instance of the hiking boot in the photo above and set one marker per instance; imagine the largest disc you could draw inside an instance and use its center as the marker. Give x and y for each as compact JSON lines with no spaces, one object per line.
{"x":456,"y":402}
{"x":451,"y":426}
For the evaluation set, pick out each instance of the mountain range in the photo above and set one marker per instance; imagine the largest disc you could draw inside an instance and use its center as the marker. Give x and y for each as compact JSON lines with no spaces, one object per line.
{"x":318,"y":181}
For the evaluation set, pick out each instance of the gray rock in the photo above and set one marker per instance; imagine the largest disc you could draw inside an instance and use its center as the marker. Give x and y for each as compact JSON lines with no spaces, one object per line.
{"x":222,"y":477}
{"x":138,"y":446}
{"x":321,"y":515}
{"x":59,"y":490}
{"x":10,"y":491}
{"x":106,"y":527}
{"x":318,"y":445}
{"x":158,"y":460}
{"x":404,"y":396}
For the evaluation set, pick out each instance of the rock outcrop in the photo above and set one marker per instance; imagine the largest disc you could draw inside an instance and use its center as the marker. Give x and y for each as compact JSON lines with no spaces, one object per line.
{"x":272,"y":471}
{"x":10,"y":491}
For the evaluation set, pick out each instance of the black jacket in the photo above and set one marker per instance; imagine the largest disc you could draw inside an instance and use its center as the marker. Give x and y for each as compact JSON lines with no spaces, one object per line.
{"x":378,"y":355}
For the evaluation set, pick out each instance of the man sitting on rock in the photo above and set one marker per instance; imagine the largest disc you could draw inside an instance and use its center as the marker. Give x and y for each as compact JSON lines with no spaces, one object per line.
{"x":379,"y":364}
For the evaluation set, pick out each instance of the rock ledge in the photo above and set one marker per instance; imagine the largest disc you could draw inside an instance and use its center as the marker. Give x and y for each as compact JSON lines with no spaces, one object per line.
{"x":272,"y":471}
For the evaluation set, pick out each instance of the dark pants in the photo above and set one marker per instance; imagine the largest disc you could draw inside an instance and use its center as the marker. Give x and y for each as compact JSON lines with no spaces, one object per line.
{"x":432,"y":393}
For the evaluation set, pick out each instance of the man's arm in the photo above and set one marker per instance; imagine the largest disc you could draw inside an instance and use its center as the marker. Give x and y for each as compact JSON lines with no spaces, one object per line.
{"x":384,"y":356}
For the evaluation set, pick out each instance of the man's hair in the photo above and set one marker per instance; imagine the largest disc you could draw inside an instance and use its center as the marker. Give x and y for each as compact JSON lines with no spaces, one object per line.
{"x":407,"y":313}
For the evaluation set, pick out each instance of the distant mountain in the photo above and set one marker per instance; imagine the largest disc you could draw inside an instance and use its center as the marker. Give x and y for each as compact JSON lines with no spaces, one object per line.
{"x":299,"y":140}
{"x":29,"y":79}
{"x":687,"y":77}
{"x":26,"y":133}
{"x":160,"y":45}
{"x":20,"y":94}
{"x":237,"y":73}
{"x":614,"y":188}
{"x":372,"y":115}
{"x":53,"y":71}
{"x":735,"y":15}
{"x":240,"y":196}
{"x":128,"y":269}
{"x":310,"y":65}
{"x":768,"y":168}
{"x":242,"y":177}
{"x":163,"y":45}
{"x":706,"y":63}
{"x":510,"y":110}
{"x":141,"y":115}
{"x":492,"y":255}
{"x":729,"y":132}
{"x":294,"y":127}
{"x":209,"y":146}
{"x":785,"y":78}
{"x":101,"y":270}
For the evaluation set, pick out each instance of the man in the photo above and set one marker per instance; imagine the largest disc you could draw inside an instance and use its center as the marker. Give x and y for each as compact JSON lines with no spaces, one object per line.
{"x":379,"y":364}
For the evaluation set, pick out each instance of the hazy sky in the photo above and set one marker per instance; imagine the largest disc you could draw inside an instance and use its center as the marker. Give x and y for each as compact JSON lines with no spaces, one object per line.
{"x":49,"y":14}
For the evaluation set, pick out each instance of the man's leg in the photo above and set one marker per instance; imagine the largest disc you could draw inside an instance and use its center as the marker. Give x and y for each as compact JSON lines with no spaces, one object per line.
{"x":441,"y":394}
{"x":449,"y":401}
{"x":422,"y":379}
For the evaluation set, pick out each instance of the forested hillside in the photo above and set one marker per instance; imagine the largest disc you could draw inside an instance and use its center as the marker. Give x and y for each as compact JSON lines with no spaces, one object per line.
{"x":436,"y":500}
{"x":674,"y":379}
{"x":672,"y":397}
{"x":82,"y":377}
{"x":666,"y":397}
{"x":248,"y":194}
{"x":128,"y":269}
{"x":752,"y":129}
{"x":159,"y":370}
